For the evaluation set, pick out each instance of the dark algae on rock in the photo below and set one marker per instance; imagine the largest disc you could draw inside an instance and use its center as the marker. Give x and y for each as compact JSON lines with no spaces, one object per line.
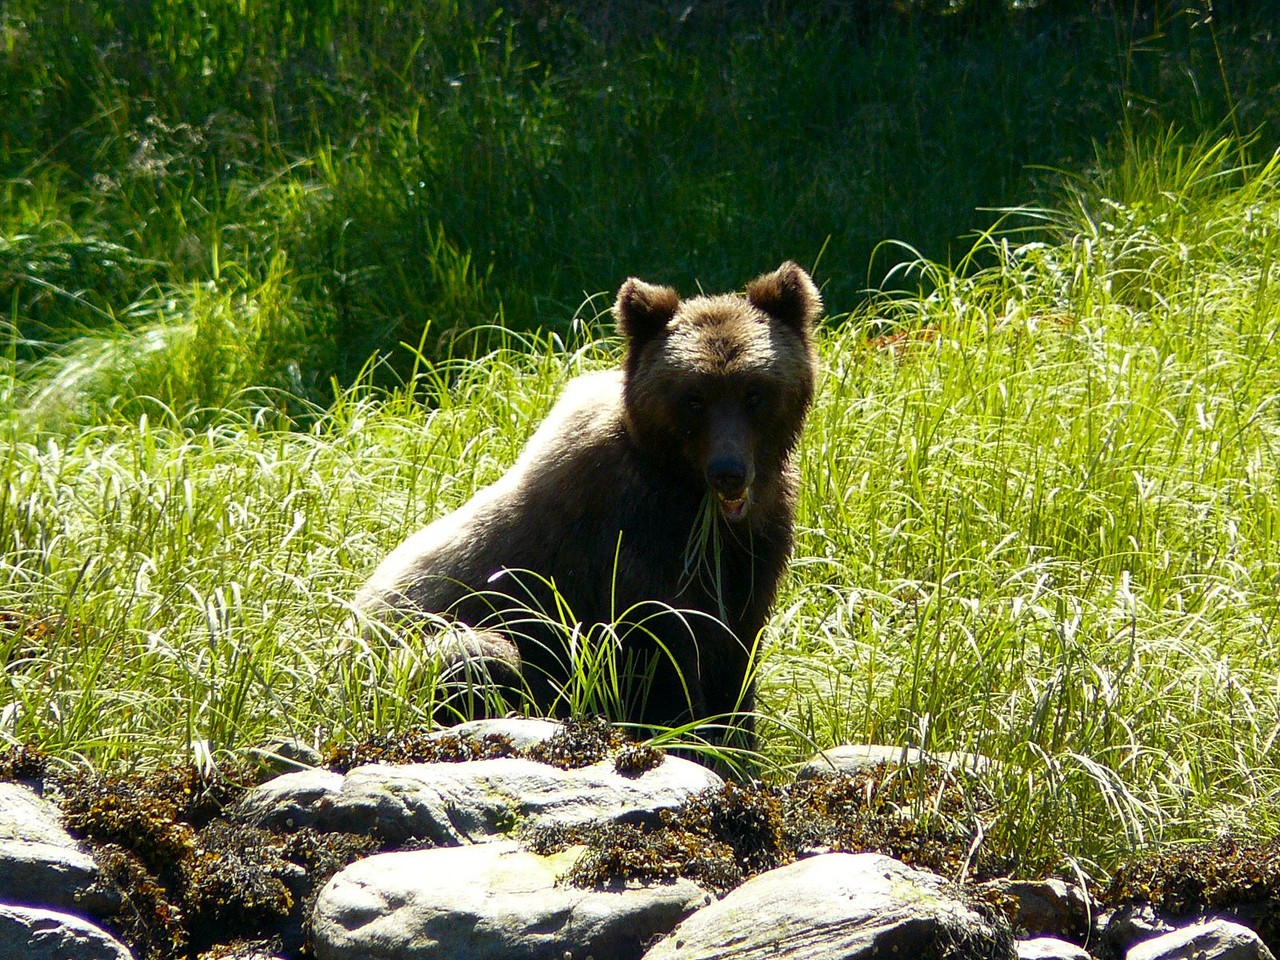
{"x":184,"y":878}
{"x":418,"y":746}
{"x":187,"y":877}
{"x":575,"y":743}
{"x":579,"y":743}
{"x":1228,"y":877}
{"x":23,"y":762}
{"x":924,"y":816}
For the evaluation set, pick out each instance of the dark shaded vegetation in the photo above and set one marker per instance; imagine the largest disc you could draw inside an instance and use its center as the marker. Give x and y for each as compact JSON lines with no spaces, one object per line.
{"x":304,"y":184}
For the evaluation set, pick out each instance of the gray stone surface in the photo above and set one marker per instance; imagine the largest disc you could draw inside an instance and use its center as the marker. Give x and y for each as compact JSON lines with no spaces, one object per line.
{"x":1210,"y":940}
{"x":287,"y":802}
{"x":1050,"y":948}
{"x":842,"y":905}
{"x":1124,"y":926}
{"x":40,"y":864}
{"x":24,"y":815}
{"x":454,"y":803}
{"x":51,"y":875}
{"x":35,"y":934}
{"x":853,"y":758}
{"x":488,"y":902}
{"x":285,"y":755}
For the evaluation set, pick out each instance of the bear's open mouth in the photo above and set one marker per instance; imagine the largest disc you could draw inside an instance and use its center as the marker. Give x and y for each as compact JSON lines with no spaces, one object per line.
{"x":735,"y":508}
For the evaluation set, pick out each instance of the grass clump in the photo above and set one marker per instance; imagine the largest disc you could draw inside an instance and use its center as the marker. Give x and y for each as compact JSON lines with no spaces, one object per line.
{"x":1047,"y":533}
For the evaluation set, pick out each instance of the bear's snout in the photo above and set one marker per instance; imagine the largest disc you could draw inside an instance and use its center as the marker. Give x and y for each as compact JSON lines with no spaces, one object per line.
{"x":727,"y":475}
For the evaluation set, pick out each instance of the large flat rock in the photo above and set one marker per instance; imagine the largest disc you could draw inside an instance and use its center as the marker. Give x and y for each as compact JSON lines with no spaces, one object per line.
{"x":50,"y":875}
{"x":487,"y":902}
{"x":1210,"y":940}
{"x":1050,"y":948}
{"x":26,"y":816}
{"x":838,"y":905}
{"x":456,"y":803}
{"x":287,"y":802}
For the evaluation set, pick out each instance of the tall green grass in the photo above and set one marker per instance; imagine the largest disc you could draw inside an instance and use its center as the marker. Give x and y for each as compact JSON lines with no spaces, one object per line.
{"x":1039,"y":520}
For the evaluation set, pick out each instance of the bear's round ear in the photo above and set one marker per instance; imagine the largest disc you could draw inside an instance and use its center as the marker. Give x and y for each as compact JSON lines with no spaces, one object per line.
{"x":643,"y":310}
{"x":787,"y":295}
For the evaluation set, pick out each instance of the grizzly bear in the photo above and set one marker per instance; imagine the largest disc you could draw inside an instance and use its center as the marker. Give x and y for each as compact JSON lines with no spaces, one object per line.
{"x":657,"y":499}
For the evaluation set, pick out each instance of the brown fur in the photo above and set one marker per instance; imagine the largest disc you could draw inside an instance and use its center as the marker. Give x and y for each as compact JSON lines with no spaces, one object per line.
{"x":605,"y":499}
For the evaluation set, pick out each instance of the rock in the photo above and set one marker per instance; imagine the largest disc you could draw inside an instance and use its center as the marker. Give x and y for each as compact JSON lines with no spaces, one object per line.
{"x":36,"y":934}
{"x":1049,"y":948}
{"x":285,"y":755}
{"x":295,"y":800}
{"x":838,"y":905}
{"x":489,"y":902}
{"x":287,"y":802}
{"x":1047,"y":908}
{"x":1210,"y":940}
{"x":1123,"y":927}
{"x":454,"y":803}
{"x":51,"y":875}
{"x":24,"y":815}
{"x":40,"y":864}
{"x":854,"y":758}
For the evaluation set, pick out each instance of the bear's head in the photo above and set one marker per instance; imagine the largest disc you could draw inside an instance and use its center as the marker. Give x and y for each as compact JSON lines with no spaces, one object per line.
{"x":719,"y":386}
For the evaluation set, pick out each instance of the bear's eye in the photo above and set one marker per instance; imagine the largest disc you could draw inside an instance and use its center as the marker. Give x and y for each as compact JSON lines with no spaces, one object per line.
{"x":752,"y":400}
{"x":694,"y":403}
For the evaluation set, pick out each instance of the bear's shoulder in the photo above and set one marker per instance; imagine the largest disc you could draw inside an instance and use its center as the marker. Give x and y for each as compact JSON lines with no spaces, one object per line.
{"x":588,"y":416}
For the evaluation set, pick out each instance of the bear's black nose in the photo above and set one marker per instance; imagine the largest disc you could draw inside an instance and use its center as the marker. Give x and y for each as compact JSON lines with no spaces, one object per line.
{"x":727,"y":475}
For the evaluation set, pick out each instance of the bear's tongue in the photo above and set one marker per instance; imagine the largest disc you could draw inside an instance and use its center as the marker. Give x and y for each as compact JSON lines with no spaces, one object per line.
{"x":734,"y":508}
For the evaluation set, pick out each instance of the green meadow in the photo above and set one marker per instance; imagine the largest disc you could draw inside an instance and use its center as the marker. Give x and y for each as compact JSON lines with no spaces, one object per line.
{"x":280,"y":282}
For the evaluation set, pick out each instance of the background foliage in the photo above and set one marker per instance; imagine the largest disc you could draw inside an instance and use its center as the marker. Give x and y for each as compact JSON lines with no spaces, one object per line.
{"x":290,"y":186}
